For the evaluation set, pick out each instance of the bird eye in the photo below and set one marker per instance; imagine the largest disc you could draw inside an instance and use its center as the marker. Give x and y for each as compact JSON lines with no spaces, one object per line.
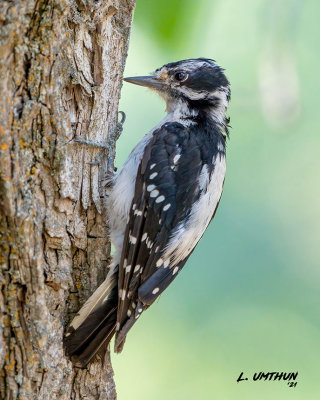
{"x":180,"y":76}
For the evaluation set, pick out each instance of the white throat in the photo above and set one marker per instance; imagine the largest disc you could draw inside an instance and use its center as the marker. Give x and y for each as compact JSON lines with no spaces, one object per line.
{"x":180,"y":110}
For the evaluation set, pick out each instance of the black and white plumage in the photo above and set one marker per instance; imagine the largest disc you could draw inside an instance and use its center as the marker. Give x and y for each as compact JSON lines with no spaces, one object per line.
{"x":160,"y":202}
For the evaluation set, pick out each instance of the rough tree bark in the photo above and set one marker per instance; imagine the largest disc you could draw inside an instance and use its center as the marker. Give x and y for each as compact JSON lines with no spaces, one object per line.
{"x":61,"y":64}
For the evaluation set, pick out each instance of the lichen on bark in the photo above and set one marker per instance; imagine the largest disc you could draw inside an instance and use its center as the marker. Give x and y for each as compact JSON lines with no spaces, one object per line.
{"x":61,"y":65}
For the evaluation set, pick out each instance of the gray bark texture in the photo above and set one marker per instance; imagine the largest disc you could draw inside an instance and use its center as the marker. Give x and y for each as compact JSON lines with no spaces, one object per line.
{"x":61,"y":66}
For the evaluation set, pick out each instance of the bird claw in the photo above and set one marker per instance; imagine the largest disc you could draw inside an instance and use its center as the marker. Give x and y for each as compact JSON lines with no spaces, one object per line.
{"x":92,"y":143}
{"x":119,"y":127}
{"x":105,"y":146}
{"x":97,"y":161}
{"x":123,"y":117}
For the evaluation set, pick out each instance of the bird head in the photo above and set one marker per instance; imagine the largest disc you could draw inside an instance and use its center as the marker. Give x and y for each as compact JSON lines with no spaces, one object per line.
{"x":197,"y":81}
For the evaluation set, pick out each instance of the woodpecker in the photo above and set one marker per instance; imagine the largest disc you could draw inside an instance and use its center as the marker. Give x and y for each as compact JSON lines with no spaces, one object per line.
{"x":160,"y":202}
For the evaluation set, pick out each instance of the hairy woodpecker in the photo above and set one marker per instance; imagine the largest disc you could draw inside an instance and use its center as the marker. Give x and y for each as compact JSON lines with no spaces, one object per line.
{"x":160,"y":202}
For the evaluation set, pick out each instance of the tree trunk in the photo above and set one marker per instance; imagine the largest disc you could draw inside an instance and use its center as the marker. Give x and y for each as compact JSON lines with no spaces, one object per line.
{"x":61,"y":64}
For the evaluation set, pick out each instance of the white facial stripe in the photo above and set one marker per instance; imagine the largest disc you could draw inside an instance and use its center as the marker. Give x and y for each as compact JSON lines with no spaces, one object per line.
{"x":219,"y":112}
{"x":192,"y":94}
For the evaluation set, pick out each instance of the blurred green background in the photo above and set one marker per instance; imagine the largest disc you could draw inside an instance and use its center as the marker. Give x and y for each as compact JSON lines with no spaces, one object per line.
{"x":248,"y":298}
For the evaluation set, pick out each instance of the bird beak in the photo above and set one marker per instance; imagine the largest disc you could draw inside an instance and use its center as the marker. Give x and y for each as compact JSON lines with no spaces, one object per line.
{"x":150,"y":82}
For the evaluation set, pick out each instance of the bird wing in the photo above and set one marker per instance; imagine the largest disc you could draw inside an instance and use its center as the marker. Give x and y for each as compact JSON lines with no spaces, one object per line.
{"x":169,"y":182}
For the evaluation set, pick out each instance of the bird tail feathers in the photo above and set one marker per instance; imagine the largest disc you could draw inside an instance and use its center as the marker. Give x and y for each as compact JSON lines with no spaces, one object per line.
{"x":93,"y":327}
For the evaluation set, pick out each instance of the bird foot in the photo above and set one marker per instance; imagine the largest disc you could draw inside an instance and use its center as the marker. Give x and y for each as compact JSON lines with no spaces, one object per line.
{"x":105,"y":146}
